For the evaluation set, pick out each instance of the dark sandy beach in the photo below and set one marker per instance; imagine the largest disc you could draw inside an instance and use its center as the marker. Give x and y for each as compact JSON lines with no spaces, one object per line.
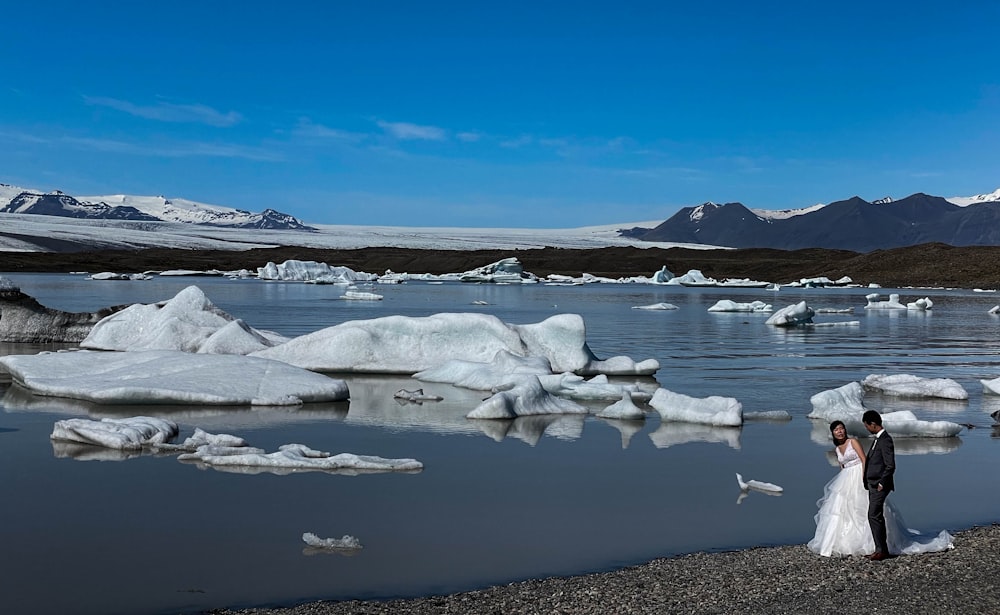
{"x":776,"y":580}
{"x":931,"y":265}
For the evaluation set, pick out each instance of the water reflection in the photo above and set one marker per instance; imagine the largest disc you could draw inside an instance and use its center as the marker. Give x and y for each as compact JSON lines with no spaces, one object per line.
{"x":530,"y":429}
{"x":671,"y":434}
{"x":88,"y":452}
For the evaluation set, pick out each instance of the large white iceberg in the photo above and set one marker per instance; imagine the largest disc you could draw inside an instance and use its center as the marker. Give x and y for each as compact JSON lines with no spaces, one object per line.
{"x":407,"y":345}
{"x":908,"y":385}
{"x":486,"y":375}
{"x":188,"y":322}
{"x":713,"y":410}
{"x":170,"y":377}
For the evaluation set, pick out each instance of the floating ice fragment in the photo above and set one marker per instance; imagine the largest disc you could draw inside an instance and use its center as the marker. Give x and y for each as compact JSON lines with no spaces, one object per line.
{"x":120,"y":434}
{"x":757,"y":485}
{"x":346,"y":542}
{"x":908,"y":385}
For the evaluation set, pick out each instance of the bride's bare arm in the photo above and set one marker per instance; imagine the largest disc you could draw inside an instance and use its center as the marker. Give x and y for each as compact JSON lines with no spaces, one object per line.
{"x":857,"y":447}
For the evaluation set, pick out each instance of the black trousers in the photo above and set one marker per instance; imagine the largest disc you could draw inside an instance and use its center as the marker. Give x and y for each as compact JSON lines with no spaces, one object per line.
{"x":876,"y":518}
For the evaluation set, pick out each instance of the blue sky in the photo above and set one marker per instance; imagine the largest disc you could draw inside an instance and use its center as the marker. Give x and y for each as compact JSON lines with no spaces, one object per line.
{"x":535,"y":114}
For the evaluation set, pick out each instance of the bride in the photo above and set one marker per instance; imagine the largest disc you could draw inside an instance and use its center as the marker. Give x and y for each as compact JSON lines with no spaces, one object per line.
{"x":842,"y":521}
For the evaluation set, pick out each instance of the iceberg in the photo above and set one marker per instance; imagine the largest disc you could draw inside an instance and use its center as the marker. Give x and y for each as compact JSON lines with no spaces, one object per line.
{"x":24,"y":320}
{"x":526,"y":397}
{"x":725,"y":305}
{"x":484,"y":376}
{"x":655,"y":306}
{"x":188,"y":322}
{"x":623,"y":409}
{"x":792,"y":316}
{"x":346,"y":542}
{"x":714,"y":410}
{"x":306,"y":271}
{"x":891,"y":304}
{"x":127,"y":434}
{"x":845,"y":404}
{"x":295,"y":458}
{"x":907,"y":385}
{"x":170,"y":377}
{"x":407,"y":345}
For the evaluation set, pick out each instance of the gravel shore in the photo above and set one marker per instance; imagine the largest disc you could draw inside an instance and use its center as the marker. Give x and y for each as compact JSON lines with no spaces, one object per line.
{"x":774,"y":580}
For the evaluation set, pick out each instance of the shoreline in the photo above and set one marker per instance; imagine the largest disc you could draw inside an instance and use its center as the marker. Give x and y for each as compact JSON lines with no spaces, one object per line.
{"x":922,"y":266}
{"x":785,"y":579}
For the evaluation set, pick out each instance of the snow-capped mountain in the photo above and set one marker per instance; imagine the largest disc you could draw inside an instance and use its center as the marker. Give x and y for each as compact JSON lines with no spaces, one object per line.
{"x":140,"y":208}
{"x":853,"y":224}
{"x":963,"y":201}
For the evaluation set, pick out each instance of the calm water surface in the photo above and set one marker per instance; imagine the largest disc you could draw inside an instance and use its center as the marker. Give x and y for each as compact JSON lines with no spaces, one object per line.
{"x":92,"y":532}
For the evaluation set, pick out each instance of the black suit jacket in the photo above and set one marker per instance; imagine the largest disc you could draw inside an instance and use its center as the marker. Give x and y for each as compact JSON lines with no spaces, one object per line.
{"x":880,"y":465}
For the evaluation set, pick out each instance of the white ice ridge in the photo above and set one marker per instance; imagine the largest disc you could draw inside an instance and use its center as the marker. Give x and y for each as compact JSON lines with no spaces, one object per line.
{"x":406,"y":345}
{"x":171,"y":377}
{"x":726,"y":305}
{"x":623,"y":409}
{"x":655,"y":306}
{"x":845,"y":404}
{"x":713,"y":410}
{"x":297,"y":457}
{"x":908,"y":385}
{"x":757,"y":485}
{"x":891,"y":304}
{"x":128,"y":434}
{"x":416,"y":396}
{"x":204,"y":438}
{"x":347,"y":542}
{"x":526,"y":397}
{"x":188,"y":322}
{"x":791,"y":316}
{"x":312,"y":271}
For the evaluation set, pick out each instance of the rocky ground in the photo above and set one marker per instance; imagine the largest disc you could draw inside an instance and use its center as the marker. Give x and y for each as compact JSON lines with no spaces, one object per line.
{"x":778,"y":580}
{"x":923,"y":265}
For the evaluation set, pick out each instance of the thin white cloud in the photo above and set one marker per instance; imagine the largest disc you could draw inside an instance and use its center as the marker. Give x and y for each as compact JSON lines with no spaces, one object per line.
{"x":469,"y":137}
{"x":167,"y":150}
{"x":517,"y":142}
{"x":307,"y":128}
{"x":406,"y":131}
{"x":169,"y":112}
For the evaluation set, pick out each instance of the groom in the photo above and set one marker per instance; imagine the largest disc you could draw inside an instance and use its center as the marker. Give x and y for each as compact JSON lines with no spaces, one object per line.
{"x":879,"y":468}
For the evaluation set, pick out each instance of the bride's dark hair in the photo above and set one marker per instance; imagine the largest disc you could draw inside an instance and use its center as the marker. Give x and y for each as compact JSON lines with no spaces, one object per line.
{"x":833,"y":426}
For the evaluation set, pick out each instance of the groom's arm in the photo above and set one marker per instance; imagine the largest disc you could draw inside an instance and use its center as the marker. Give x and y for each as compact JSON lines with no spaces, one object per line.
{"x":888,"y":461}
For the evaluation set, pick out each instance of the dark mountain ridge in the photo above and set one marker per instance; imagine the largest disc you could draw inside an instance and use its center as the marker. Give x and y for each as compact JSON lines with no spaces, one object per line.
{"x":853,"y":224}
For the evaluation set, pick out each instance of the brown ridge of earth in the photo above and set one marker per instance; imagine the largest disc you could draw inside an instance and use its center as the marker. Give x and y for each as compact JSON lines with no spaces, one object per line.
{"x":929,"y":265}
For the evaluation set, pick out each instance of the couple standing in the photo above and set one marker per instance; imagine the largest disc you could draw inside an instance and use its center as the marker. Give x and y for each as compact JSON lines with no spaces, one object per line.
{"x":854,"y":517}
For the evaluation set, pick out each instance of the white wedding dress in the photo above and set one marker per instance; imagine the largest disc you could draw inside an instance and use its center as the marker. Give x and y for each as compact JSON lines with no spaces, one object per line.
{"x":842,"y":521}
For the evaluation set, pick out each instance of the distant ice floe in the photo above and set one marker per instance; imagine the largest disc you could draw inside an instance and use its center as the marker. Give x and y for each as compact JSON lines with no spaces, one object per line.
{"x":694,"y":277}
{"x":406,"y":345}
{"x":523,"y":398}
{"x":128,"y":434}
{"x":312,"y":271}
{"x":767,"y":415}
{"x":416,"y":396}
{"x":792,"y":316}
{"x":655,"y":306}
{"x":352,"y":294}
{"x":891,"y":304}
{"x":920,"y":304}
{"x":507,"y":270}
{"x":713,"y":410}
{"x":111,"y":275}
{"x":187,"y":322}
{"x":294,"y":458}
{"x":171,"y":377}
{"x":663,"y":276}
{"x":726,"y":305}
{"x":345,"y":543}
{"x":845,"y":404}
{"x":908,"y":385}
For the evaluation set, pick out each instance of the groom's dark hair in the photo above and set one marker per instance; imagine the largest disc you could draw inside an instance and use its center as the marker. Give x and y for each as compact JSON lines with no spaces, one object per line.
{"x":870,"y":416}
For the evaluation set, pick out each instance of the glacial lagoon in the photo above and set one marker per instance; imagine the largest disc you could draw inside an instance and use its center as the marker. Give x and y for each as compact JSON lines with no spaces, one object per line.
{"x":90,"y":531}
